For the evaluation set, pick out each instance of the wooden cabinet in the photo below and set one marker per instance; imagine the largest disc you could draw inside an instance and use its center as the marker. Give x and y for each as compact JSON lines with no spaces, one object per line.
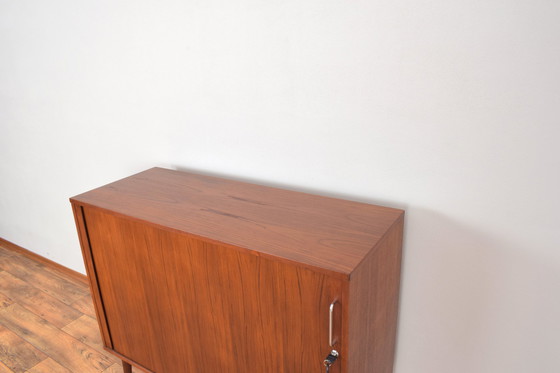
{"x":198,"y":274}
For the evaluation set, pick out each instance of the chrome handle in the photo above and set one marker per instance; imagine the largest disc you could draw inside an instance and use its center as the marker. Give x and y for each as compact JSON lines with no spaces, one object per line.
{"x":331,"y":313}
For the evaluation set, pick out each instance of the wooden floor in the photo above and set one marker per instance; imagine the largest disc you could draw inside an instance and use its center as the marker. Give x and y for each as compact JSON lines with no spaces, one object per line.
{"x":47,"y":321}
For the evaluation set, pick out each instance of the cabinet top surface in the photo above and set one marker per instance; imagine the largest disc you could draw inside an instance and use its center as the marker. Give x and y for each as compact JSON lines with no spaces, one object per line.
{"x":323,"y":232}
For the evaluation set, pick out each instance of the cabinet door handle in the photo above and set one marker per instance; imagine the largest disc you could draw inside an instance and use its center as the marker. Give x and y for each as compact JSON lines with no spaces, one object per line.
{"x":331,"y":327}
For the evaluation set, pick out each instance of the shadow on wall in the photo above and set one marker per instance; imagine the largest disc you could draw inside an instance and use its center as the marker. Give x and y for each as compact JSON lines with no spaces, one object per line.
{"x":474,"y":302}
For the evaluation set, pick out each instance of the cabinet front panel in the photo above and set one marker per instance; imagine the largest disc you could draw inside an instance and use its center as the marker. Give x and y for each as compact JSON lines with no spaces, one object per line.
{"x":175,"y":303}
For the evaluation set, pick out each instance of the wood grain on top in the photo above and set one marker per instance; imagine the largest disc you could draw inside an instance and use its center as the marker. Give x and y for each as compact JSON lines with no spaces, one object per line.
{"x":321,"y":232}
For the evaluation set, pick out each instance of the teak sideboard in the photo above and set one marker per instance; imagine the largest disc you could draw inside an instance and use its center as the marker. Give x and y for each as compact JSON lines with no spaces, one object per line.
{"x":200,"y":274}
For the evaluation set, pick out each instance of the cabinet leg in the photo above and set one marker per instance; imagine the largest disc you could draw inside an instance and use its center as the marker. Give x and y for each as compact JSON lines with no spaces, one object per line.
{"x":126,"y":367}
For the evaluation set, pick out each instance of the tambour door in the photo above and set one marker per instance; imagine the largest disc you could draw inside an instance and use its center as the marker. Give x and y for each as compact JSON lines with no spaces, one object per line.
{"x":176,"y":303}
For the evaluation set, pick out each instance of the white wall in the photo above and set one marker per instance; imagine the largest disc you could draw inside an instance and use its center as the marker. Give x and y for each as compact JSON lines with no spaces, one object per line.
{"x":449,"y":109}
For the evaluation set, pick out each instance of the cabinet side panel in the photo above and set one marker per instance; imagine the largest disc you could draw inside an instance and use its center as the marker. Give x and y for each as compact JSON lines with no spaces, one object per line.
{"x":119,"y":249}
{"x":175,"y":303}
{"x":91,"y":274}
{"x":373,"y":306}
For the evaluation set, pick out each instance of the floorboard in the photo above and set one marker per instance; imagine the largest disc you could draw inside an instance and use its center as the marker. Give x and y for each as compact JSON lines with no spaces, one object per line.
{"x":48,"y":366}
{"x":17,"y":354}
{"x":47,"y":321}
{"x":51,"y":282}
{"x":44,"y":305}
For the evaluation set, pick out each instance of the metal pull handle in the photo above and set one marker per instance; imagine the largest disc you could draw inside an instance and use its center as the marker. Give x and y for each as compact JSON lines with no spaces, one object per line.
{"x":331,"y":317}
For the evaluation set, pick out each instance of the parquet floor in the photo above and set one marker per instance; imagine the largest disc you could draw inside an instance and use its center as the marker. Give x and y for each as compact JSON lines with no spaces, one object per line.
{"x":47,"y":321}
